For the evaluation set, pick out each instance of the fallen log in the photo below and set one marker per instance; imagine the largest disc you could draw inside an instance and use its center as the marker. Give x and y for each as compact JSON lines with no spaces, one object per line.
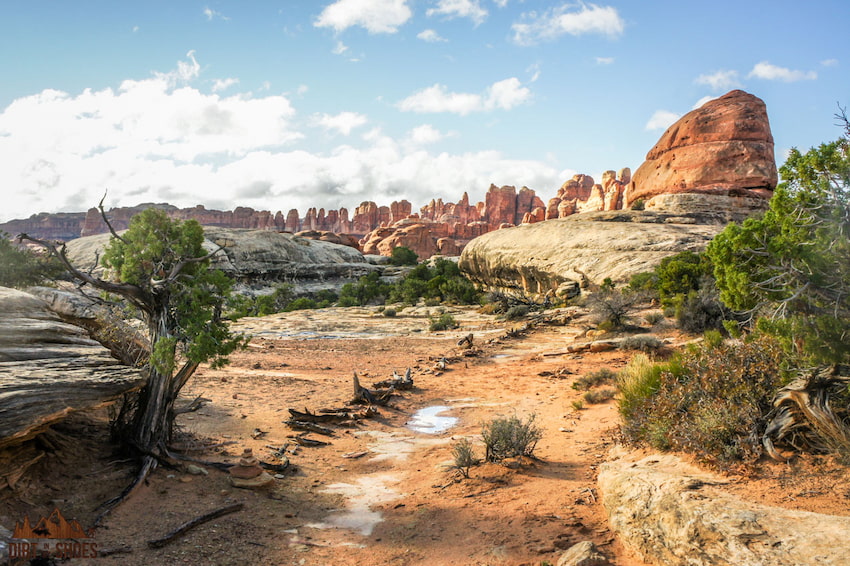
{"x":302,"y":440}
{"x":309,"y":417}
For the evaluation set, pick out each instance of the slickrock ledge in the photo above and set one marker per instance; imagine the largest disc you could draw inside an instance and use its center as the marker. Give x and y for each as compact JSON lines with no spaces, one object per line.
{"x":672,"y":513}
{"x":49,"y":369}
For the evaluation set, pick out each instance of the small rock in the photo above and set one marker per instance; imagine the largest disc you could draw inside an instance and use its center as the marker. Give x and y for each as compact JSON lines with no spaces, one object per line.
{"x":197,"y":470}
{"x":584,"y":553}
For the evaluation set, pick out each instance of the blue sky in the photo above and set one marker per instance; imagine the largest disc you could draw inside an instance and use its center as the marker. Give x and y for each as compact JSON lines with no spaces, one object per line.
{"x":297,"y":103}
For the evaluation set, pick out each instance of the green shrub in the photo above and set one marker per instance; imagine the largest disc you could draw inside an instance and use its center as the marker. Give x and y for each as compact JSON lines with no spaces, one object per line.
{"x":639,"y":204}
{"x":20,"y":267}
{"x":509,"y":437}
{"x":444,"y":321}
{"x":711,"y":400}
{"x":301,"y":303}
{"x":599,"y":395}
{"x":594,"y":378}
{"x":369,"y":289}
{"x":464,"y":456}
{"x":389,"y":312}
{"x":402,"y":255}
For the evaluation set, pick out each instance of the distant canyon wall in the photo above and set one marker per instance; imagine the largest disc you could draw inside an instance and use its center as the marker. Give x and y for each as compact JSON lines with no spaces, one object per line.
{"x":718,"y":155}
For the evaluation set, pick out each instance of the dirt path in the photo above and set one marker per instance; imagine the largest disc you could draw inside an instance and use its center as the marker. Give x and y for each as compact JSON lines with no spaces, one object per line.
{"x":396,"y":502}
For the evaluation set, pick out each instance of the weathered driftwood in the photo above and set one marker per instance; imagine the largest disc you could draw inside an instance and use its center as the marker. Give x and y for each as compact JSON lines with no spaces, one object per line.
{"x":397,"y":382}
{"x":49,"y":369}
{"x":309,"y":427}
{"x":187,"y":526}
{"x":309,"y":417}
{"x":303,"y":440}
{"x":803,"y":418}
{"x":363,"y":396}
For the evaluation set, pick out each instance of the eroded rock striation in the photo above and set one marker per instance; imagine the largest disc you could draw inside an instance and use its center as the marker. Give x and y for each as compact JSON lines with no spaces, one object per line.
{"x":49,"y":368}
{"x":560,"y":255}
{"x":258,"y":259}
{"x":672,"y":513}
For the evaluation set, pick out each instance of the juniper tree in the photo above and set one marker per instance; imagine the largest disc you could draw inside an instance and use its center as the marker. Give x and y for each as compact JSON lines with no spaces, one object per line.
{"x":160,"y":267}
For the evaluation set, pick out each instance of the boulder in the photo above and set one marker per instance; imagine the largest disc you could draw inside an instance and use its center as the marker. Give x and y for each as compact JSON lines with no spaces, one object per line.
{"x":672,"y":513}
{"x":49,"y":368}
{"x":539,"y":258}
{"x":724,"y":147}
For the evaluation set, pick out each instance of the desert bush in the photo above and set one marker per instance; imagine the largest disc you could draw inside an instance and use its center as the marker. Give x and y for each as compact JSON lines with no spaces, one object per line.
{"x":509,"y":437}
{"x":444,"y":321}
{"x":594,"y":378}
{"x":700,"y":310}
{"x":711,"y":400}
{"x":517,"y":312}
{"x":577,"y":404}
{"x":599,"y":395}
{"x":611,"y":308}
{"x":654,"y":317}
{"x":464,"y":456}
{"x":389,"y":312}
{"x":641,"y":342}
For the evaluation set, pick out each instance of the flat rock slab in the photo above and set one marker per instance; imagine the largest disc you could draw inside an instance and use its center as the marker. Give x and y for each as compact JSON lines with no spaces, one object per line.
{"x":672,"y":513}
{"x":49,"y":369}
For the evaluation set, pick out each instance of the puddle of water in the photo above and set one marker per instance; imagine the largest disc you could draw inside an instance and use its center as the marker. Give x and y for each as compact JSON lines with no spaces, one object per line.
{"x":429,"y":421}
{"x":358,"y":515}
{"x":392,"y":445}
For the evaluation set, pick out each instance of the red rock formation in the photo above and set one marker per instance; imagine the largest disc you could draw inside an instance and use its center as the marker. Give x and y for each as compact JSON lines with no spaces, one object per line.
{"x":342,"y":239}
{"x":724,"y":147}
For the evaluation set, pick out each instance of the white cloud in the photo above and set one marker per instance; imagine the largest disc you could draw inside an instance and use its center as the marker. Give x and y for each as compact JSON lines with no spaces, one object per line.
{"x":702,"y":101}
{"x":719,"y":80}
{"x":765,"y":70}
{"x":459,"y":9}
{"x":376,"y":16}
{"x":604,"y":60}
{"x":431,"y":36}
{"x":503,"y":95}
{"x":565,"y":19}
{"x":829,"y":62}
{"x":343,"y":122}
{"x":135,"y":29}
{"x":223,"y":84}
{"x":212,"y":14}
{"x":661,"y":120}
{"x":425,"y":134}
{"x":534,"y":69}
{"x":339,"y":48}
{"x":501,"y":3}
{"x":161,"y":139}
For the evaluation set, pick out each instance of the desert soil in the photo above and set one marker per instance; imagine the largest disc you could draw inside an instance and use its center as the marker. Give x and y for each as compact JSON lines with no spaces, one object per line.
{"x":382,"y":491}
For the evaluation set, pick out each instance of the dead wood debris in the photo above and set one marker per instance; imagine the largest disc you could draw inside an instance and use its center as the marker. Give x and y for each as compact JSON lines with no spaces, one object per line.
{"x":397,"y":382}
{"x":363,"y":396}
{"x":187,"y":526}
